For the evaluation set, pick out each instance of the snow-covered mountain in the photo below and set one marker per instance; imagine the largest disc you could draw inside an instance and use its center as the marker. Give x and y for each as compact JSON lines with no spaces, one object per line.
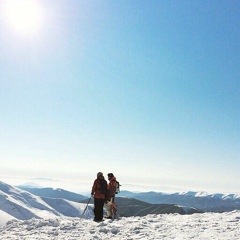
{"x":200,"y":200}
{"x":53,"y":193}
{"x":128,"y":207}
{"x":26,"y":216}
{"x":193,"y":201}
{"x":23,"y":205}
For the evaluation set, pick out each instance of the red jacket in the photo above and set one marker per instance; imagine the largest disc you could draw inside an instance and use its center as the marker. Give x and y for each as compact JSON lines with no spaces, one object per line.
{"x":111,"y":188}
{"x":95,"y":190}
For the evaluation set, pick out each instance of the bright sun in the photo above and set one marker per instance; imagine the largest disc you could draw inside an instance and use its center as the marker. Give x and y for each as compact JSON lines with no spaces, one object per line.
{"x":24,"y":15}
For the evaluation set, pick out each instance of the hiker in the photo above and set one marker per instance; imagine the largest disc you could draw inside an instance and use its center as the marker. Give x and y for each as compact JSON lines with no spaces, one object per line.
{"x":111,"y":190}
{"x":99,"y":190}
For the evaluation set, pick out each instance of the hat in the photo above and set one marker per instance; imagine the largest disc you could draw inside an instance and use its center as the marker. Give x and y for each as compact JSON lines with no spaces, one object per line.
{"x":99,"y":174}
{"x":110,"y":175}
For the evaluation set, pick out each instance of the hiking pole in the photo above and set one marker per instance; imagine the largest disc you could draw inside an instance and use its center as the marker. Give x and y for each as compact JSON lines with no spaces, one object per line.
{"x":86,"y":207}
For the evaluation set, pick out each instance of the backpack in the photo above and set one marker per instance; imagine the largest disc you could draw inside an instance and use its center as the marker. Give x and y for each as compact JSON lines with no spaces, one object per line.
{"x":117,"y":187}
{"x":103,"y":186}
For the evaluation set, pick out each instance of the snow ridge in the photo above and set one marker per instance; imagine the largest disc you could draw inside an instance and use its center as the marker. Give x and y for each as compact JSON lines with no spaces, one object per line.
{"x":212,"y":195}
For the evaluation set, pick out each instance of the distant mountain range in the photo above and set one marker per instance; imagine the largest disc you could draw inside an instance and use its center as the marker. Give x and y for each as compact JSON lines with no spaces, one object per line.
{"x":16,"y":203}
{"x":199,"y":201}
{"x":128,"y":207}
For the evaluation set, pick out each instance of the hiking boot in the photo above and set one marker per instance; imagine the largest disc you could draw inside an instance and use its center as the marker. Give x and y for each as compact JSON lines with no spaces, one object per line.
{"x":96,"y":220}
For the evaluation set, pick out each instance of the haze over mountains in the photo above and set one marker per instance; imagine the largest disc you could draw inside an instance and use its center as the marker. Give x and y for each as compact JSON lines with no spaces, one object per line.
{"x":27,"y":203}
{"x":24,"y":215}
{"x":202,"y":201}
{"x":23,"y":205}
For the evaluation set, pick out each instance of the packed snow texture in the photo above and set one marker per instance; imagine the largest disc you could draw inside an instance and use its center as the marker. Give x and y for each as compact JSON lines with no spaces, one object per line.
{"x":165,"y":226}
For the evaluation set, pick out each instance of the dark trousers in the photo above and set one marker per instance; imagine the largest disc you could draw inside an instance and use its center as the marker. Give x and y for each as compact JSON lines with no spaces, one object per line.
{"x":98,"y":209}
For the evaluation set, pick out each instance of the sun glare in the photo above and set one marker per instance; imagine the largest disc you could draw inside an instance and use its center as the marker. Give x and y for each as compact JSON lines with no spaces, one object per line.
{"x":24,"y":15}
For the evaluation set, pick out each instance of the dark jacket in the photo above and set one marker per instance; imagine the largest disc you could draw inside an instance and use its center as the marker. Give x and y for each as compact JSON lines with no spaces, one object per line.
{"x":96,"y":189}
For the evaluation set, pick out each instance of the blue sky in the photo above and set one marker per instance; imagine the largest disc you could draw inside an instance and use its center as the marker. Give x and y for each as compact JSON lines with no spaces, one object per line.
{"x":148,"y":90}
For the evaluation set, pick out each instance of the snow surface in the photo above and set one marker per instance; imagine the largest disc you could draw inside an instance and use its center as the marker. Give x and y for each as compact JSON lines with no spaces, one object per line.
{"x":24,"y":216}
{"x":5,"y":217}
{"x":164,"y":226}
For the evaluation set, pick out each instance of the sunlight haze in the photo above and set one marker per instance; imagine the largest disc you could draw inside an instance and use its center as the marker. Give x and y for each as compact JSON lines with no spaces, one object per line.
{"x":23,"y":15}
{"x":148,"y":90}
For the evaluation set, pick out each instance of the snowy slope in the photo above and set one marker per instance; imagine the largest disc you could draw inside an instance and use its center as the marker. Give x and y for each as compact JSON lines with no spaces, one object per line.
{"x":23,"y":205}
{"x":214,"y":226}
{"x":54,"y":193}
{"x":5,"y":217}
{"x":69,"y":208}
